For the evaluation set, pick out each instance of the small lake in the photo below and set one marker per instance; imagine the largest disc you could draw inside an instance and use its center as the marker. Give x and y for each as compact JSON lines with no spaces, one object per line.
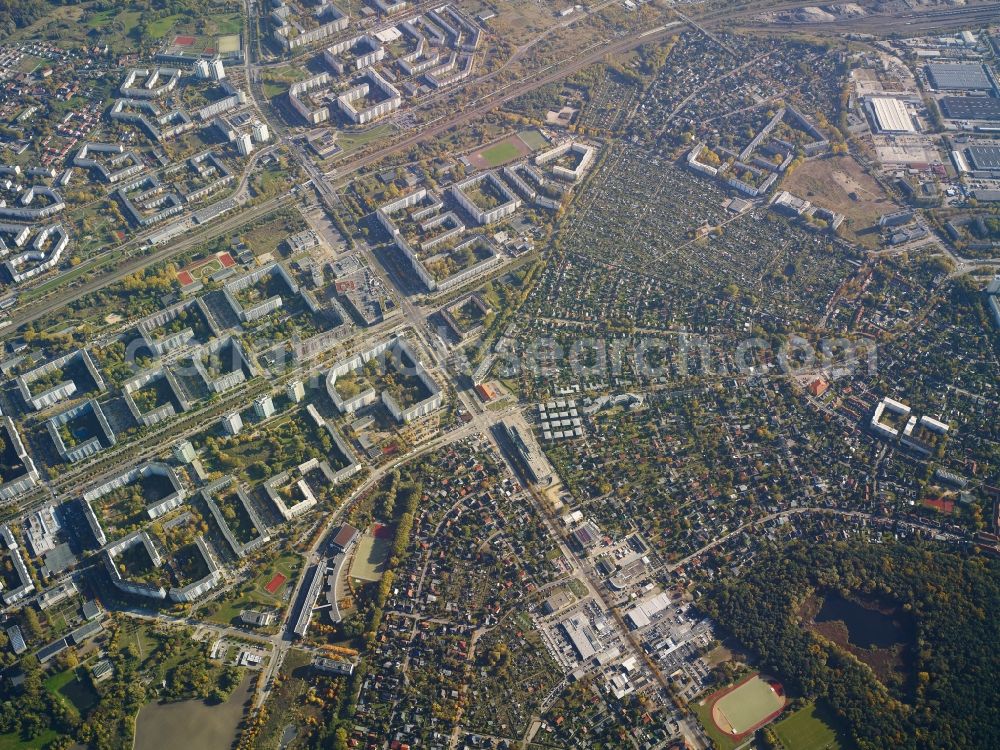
{"x":192,"y":725}
{"x":865,"y":627}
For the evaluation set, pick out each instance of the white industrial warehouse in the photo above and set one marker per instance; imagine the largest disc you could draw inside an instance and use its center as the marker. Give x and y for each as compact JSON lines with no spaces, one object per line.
{"x":890,"y":115}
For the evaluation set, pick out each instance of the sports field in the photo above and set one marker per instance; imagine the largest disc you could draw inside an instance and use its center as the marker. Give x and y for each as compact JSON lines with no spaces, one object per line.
{"x":501,"y":153}
{"x":204,"y":268}
{"x":509,"y":149}
{"x":748,"y":705}
{"x":809,"y":728}
{"x":275,"y":583}
{"x":372,"y":553}
{"x":734,"y":713}
{"x":228,"y":43}
{"x":533,"y":139}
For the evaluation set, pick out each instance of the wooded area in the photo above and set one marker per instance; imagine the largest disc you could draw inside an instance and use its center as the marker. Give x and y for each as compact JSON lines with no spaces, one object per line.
{"x":953,"y":602}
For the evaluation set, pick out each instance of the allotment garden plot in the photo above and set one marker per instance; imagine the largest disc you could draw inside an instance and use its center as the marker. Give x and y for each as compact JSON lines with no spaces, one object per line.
{"x":655,"y":243}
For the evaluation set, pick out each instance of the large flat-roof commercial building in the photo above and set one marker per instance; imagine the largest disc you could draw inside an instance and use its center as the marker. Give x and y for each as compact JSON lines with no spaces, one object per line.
{"x":971,"y":108}
{"x":890,"y":115}
{"x":958,"y":76}
{"x":643,"y":613}
{"x":581,"y":636}
{"x":984,"y":158}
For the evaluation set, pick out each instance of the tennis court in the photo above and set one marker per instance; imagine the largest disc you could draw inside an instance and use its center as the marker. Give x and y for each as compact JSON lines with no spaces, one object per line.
{"x":275,"y":584}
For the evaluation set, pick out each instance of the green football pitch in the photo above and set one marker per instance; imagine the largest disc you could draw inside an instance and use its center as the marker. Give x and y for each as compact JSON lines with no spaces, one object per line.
{"x":746,"y":706}
{"x":809,"y":728}
{"x":501,"y":153}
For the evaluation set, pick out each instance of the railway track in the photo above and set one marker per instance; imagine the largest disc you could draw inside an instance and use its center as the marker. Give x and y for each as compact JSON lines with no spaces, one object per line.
{"x":132,"y":263}
{"x":913,"y":24}
{"x":712,"y":19}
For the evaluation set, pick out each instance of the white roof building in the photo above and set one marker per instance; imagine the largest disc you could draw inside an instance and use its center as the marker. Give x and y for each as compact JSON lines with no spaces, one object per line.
{"x":890,"y":115}
{"x":644,"y":612}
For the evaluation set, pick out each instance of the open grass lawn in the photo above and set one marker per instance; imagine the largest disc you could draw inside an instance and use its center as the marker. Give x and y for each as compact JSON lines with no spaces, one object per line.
{"x":286,"y":73}
{"x":28,"y":64}
{"x":226,"y":23}
{"x":14,"y":741}
{"x":351,"y":141}
{"x":521,"y":20}
{"x":125,"y":20}
{"x":161,"y":26}
{"x":266,"y":237}
{"x":73,"y":686}
{"x":840,"y":184}
{"x":59,"y":680}
{"x":229,"y":608}
{"x":272,"y":90}
{"x":718,"y":655}
{"x":577,"y":586}
{"x":278,"y":80}
{"x":145,"y":640}
{"x":102,"y":19}
{"x":270,"y":181}
{"x":57,"y":625}
{"x":192,"y":724}
{"x":810,"y":728}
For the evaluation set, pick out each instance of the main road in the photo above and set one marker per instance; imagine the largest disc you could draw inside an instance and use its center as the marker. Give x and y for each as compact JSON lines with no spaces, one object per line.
{"x":927,"y":20}
{"x":133,"y":261}
{"x":28,"y":313}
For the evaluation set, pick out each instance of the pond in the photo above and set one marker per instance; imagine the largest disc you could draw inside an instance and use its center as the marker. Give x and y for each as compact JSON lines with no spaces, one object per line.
{"x":865,"y":627}
{"x":192,"y":725}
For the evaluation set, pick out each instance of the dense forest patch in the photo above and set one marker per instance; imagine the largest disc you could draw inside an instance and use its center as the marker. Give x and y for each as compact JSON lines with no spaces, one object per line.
{"x":952,"y":601}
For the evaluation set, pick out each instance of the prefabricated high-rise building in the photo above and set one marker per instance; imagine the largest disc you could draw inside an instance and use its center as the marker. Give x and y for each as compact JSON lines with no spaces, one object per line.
{"x":244,"y":144}
{"x":218,"y":69}
{"x":260,"y":132}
